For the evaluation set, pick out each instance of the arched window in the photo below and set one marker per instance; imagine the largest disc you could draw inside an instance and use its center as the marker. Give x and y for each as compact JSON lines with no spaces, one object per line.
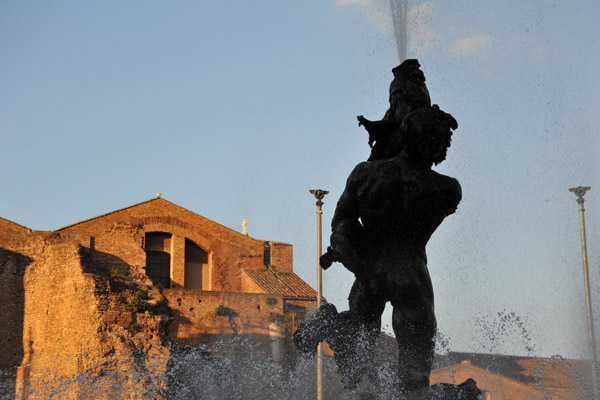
{"x":158,"y":257}
{"x":197,"y":270}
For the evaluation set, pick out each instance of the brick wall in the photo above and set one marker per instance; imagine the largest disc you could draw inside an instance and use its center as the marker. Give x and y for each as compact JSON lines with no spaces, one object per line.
{"x":15,"y":257}
{"x":61,"y":317}
{"x":56,"y":323}
{"x":121,"y":233}
{"x":122,"y":241}
{"x":50,"y":318}
{"x":246,"y":332}
{"x":195,"y":313}
{"x":10,"y":228}
{"x":282,"y":256}
{"x":64,"y":315}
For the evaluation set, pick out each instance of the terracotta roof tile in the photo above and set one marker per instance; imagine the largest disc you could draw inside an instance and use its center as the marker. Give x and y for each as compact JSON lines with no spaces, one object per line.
{"x":281,"y":283}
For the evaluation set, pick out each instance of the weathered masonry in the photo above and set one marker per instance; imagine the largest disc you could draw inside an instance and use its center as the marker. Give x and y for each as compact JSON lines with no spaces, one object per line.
{"x":81,"y":300}
{"x":180,"y":249}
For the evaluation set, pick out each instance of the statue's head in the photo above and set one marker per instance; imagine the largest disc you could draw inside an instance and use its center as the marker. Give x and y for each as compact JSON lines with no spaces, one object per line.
{"x":427,"y":133}
{"x":408,"y":71}
{"x":408,"y":91}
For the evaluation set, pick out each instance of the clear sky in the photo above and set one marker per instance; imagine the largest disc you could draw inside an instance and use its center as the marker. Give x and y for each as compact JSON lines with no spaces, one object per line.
{"x":236,"y":109}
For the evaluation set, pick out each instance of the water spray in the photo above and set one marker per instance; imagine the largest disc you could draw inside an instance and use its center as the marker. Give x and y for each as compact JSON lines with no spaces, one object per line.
{"x":400,"y":22}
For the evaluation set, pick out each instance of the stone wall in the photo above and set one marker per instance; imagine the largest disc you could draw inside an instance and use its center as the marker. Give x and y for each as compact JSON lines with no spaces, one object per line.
{"x":12,"y":228}
{"x":71,"y":328}
{"x":14,"y":260}
{"x":57,"y":327}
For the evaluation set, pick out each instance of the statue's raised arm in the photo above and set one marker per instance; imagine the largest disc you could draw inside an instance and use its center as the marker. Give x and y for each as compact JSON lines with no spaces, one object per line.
{"x":408,"y":92}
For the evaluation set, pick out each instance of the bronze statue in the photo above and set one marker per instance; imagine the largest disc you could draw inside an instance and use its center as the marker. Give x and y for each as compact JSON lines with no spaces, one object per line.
{"x":408,"y":92}
{"x":389,"y":209}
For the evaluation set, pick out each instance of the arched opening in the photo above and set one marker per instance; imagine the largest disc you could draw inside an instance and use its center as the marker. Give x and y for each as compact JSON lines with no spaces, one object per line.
{"x":197,"y":269}
{"x":158,"y":258}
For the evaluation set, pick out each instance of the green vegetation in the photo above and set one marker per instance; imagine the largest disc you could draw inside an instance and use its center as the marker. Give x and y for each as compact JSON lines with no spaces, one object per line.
{"x":281,"y":319}
{"x":134,"y":328}
{"x":139,"y":301}
{"x":222,"y":311}
{"x":119,"y":271}
{"x":274,"y":269}
{"x":271,"y":301}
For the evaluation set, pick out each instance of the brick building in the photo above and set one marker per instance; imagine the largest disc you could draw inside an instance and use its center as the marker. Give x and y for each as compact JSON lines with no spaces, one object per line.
{"x":202,"y":265}
{"x":80,"y":291}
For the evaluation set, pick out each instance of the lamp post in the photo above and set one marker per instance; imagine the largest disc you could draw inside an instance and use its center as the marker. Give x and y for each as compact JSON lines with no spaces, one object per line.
{"x":579,"y":192}
{"x":319,"y":195}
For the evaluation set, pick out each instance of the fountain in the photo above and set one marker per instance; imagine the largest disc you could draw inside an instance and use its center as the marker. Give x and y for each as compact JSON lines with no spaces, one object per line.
{"x":391,"y":206}
{"x":250,"y":370}
{"x":400,"y":21}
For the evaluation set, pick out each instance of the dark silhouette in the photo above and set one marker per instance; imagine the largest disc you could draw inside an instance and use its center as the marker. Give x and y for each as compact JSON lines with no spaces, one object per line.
{"x":390,"y":207}
{"x":408,"y":92}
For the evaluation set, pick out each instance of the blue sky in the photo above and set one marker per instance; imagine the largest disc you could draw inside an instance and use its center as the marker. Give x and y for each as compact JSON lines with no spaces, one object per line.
{"x":235,"y":110}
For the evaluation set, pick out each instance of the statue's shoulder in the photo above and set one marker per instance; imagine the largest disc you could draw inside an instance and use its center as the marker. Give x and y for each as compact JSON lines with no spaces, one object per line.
{"x":356,"y":179}
{"x":453,"y":183}
{"x":451,"y":187}
{"x":361,"y":171}
{"x":446,"y":180}
{"x":365,"y":172}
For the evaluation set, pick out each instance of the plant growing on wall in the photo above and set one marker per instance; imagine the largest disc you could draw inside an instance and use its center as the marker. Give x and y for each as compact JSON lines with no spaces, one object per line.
{"x":134,"y":328}
{"x":281,"y":319}
{"x":119,"y":271}
{"x":271,"y":301}
{"x":222,"y":311}
{"x":275,"y":270}
{"x":139,"y":301}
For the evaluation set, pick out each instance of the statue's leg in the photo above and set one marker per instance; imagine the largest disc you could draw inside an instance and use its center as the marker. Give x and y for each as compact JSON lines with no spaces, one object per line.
{"x":414,"y":323}
{"x":359,"y":328}
{"x":323,"y":324}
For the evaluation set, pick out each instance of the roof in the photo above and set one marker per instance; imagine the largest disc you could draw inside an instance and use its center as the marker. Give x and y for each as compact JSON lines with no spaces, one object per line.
{"x":163,"y":203}
{"x":109,"y":213}
{"x":286,"y":284}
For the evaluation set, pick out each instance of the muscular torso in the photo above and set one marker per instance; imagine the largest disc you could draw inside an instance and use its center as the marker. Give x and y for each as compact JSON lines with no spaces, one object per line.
{"x":399,"y":207}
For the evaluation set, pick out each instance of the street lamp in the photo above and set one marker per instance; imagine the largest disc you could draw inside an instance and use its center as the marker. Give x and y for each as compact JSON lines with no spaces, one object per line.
{"x":319,"y":195}
{"x":579,"y":192}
